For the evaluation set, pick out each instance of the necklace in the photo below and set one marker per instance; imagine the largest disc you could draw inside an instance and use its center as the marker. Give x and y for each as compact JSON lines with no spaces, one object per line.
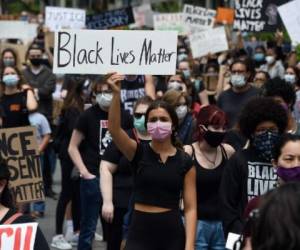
{"x":213,"y":162}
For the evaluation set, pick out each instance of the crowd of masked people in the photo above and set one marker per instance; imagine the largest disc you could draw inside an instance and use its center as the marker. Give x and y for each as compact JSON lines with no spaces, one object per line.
{"x":163,"y":162}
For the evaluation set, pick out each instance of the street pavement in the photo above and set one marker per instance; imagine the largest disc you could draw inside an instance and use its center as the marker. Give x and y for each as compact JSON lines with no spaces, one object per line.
{"x":47,"y":224}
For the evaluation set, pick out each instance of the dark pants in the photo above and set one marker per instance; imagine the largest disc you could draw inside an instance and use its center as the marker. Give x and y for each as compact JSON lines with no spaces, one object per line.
{"x":114,"y":229}
{"x":70,"y":191}
{"x":49,"y":166}
{"x":156,"y":231}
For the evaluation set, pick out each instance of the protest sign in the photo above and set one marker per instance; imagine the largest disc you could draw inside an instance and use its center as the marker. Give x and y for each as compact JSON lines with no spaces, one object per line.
{"x":22,"y":30}
{"x":290,"y":16}
{"x":127,"y":52}
{"x":18,"y":146}
{"x":110,"y":19}
{"x":256,"y":16}
{"x":208,"y":41}
{"x":58,"y":18}
{"x":143,"y":16}
{"x":169,"y":21}
{"x":18,"y":236}
{"x":197,"y":18}
{"x":225,"y":15}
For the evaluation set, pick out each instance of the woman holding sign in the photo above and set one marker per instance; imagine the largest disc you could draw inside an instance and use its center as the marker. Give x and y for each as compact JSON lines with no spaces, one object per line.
{"x":9,"y":215}
{"x":163,"y":173}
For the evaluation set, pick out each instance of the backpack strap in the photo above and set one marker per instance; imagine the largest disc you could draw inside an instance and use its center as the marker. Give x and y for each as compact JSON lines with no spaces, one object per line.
{"x":12,"y":218}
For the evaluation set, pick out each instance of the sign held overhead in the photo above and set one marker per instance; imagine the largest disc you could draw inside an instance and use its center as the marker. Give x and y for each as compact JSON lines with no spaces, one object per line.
{"x":127,"y":52}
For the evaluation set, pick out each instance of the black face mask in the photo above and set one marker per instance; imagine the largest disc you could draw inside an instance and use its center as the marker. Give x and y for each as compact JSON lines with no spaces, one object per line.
{"x":214,"y":139}
{"x":36,"y":61}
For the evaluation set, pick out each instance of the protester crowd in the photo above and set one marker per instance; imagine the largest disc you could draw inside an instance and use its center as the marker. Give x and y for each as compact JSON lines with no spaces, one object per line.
{"x":165,"y":162}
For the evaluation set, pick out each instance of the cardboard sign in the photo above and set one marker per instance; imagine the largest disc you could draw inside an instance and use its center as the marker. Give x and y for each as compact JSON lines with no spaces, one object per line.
{"x":143,"y":16}
{"x":127,"y":52}
{"x":208,"y":41}
{"x":291,"y":18}
{"x":18,"y":236}
{"x":110,"y":19}
{"x":18,"y":146}
{"x":256,"y":16}
{"x":22,"y":30}
{"x":58,"y":18}
{"x":198,"y":18}
{"x":225,"y":15}
{"x":169,"y":21}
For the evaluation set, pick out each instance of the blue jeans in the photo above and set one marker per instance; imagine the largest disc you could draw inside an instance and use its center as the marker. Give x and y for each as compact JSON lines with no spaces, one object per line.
{"x":90,"y":208}
{"x":210,"y":235}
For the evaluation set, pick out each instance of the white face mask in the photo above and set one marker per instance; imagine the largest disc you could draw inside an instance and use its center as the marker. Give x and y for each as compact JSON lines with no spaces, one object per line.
{"x":175,"y":86}
{"x":270,"y":59}
{"x":181,"y":111}
{"x":290,"y":78}
{"x":238,"y":81}
{"x":104,"y":100}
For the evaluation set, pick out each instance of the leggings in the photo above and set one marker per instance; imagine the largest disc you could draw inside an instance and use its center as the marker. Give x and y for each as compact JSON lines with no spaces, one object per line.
{"x":70,"y":190}
{"x":156,"y":231}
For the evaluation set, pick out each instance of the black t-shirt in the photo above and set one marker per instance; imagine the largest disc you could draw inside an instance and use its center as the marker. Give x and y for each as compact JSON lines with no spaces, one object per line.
{"x":122,"y":178}
{"x":40,"y":241}
{"x":232,"y":103}
{"x":157,"y":183}
{"x":131,"y":91}
{"x":14,"y":108}
{"x":93,"y":124}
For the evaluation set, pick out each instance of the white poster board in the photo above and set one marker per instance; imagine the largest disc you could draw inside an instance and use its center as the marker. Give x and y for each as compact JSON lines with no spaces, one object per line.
{"x":208,"y":41}
{"x":18,"y":30}
{"x":196,"y":18}
{"x":58,"y":18}
{"x":105,"y":51}
{"x":290,"y":16}
{"x":18,"y":236}
{"x":169,"y":21}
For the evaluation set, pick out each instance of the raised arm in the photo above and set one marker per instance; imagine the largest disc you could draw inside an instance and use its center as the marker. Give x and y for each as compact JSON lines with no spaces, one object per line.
{"x":106,"y":186}
{"x":126,"y":145}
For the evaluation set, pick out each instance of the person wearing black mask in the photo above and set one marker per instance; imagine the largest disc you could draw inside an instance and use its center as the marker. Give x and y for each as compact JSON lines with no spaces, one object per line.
{"x":210,"y":156}
{"x":41,"y":79}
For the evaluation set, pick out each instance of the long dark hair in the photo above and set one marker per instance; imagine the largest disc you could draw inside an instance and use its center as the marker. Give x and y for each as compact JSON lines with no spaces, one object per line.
{"x":283,"y":140}
{"x":171,"y":111}
{"x":278,"y":222}
{"x":6,"y":198}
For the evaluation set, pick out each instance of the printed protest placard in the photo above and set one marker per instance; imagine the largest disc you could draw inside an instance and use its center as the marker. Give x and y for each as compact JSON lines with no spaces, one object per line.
{"x":225,"y":15}
{"x":290,"y":16}
{"x":127,"y":52}
{"x":169,"y":21}
{"x":18,"y":236}
{"x":110,"y":19}
{"x":18,"y":146}
{"x":18,"y":30}
{"x":256,"y":16}
{"x":58,"y":18}
{"x":208,"y":41}
{"x":197,"y":18}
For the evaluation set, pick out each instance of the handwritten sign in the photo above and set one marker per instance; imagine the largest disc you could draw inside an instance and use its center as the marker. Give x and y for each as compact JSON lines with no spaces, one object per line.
{"x":169,"y":21}
{"x":58,"y":18}
{"x":208,"y":41}
{"x":22,"y":30}
{"x":291,"y":18}
{"x":225,"y":15}
{"x":197,"y":18}
{"x":231,"y":240}
{"x":18,"y":236}
{"x":127,"y":52}
{"x":256,"y":16}
{"x":19,"y":147}
{"x":110,"y":19}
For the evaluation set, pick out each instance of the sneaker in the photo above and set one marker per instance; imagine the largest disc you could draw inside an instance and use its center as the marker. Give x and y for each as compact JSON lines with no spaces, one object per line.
{"x":59,"y":242}
{"x":74,"y":240}
{"x":69,"y":235}
{"x":98,"y":237}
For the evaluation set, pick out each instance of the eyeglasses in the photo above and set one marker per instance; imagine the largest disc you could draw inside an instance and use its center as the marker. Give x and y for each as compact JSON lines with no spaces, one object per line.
{"x":138,"y":115}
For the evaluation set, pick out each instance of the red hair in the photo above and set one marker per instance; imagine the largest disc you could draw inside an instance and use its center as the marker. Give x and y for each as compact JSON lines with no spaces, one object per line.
{"x":209,"y":115}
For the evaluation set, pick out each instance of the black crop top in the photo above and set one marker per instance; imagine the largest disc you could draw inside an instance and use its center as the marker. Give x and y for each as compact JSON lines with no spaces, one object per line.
{"x":157,"y":183}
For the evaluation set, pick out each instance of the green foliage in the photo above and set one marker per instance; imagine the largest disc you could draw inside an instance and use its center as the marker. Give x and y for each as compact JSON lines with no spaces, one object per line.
{"x":298,"y":52}
{"x":167,"y":7}
{"x":17,"y":6}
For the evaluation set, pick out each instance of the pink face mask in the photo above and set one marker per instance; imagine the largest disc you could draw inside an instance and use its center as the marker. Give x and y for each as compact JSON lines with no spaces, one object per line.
{"x":159,"y":130}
